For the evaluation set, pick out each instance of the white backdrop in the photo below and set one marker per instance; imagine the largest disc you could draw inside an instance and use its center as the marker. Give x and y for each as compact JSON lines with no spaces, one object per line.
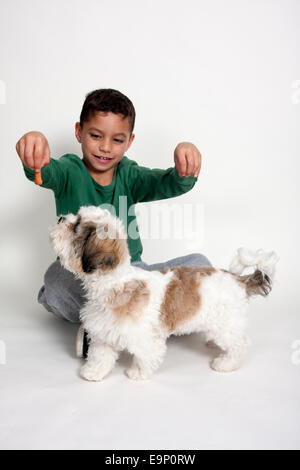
{"x":223,"y":75}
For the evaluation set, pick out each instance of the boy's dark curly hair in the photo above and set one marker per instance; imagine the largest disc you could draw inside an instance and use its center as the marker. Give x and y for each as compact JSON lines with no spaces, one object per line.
{"x":107,"y":99}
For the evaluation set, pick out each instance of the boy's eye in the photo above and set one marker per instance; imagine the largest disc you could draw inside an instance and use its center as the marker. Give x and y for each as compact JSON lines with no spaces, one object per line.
{"x":95,"y":136}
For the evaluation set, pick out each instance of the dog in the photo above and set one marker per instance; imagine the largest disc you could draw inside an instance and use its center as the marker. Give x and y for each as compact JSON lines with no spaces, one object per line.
{"x":128,"y":308}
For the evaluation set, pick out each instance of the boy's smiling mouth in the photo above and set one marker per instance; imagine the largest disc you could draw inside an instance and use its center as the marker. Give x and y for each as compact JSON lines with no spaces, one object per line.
{"x":102,"y":159}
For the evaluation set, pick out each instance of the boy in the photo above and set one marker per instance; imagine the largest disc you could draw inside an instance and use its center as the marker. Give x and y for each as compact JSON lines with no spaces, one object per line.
{"x":102,"y":176}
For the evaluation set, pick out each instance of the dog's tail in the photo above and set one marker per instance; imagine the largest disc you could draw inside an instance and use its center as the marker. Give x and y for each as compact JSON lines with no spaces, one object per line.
{"x":260,"y":281}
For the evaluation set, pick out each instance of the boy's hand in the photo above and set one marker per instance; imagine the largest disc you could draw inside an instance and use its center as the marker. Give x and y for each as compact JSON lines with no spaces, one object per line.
{"x":187,"y":159}
{"x":33,"y":150}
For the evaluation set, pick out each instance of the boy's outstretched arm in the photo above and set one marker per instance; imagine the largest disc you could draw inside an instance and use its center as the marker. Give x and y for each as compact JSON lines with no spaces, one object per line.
{"x":187,"y":159}
{"x":148,"y":184}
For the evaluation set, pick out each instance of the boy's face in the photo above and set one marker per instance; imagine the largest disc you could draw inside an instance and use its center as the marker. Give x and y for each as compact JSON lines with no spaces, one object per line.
{"x":105,"y":135}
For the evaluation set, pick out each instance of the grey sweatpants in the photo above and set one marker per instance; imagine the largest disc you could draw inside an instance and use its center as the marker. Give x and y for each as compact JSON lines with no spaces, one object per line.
{"x":63,"y":294}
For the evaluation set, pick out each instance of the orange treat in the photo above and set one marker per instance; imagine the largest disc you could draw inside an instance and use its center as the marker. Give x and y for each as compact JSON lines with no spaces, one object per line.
{"x":38,"y":177}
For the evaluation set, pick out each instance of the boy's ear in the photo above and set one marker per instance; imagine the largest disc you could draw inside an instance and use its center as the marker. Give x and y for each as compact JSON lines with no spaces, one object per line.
{"x":78,"y":131}
{"x":131,"y":139}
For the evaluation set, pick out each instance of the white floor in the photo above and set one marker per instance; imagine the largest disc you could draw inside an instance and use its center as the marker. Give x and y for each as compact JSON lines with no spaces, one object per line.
{"x":46,"y":405}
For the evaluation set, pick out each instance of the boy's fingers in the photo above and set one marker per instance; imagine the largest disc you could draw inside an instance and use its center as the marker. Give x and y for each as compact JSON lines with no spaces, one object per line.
{"x":38,"y":155}
{"x":28,"y":154}
{"x":46,"y":154}
{"x":198,"y":167}
{"x":181,"y":165}
{"x":41,"y":155}
{"x":20,"y":149}
{"x":197,"y":164}
{"x":190,"y":165}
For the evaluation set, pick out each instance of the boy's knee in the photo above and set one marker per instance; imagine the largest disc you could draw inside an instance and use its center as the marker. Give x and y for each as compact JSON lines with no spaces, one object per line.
{"x":53,"y":274}
{"x":61,"y":281}
{"x":62,"y":294}
{"x":199,"y":259}
{"x":42,"y":299}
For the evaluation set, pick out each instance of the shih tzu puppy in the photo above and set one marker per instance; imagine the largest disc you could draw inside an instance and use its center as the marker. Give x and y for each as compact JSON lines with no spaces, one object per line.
{"x":128,"y":308}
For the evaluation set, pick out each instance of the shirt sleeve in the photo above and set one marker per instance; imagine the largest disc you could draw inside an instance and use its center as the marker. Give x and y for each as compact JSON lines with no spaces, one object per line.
{"x":54,"y":175}
{"x":154,"y":184}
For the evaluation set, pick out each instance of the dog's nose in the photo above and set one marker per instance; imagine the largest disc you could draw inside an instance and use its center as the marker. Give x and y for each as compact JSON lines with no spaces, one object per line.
{"x":61,"y":219}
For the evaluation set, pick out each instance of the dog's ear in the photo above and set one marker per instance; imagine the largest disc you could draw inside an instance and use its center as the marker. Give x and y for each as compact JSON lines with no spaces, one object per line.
{"x":97,"y":253}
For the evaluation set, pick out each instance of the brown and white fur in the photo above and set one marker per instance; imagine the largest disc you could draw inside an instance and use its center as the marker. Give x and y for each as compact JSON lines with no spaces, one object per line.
{"x":132,"y":309}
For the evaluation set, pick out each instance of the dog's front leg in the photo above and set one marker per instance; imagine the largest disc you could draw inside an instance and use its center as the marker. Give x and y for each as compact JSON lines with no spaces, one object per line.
{"x":100,"y":361}
{"x":147,"y":358}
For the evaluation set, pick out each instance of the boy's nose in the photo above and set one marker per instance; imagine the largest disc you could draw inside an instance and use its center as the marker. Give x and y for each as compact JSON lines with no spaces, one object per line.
{"x":61,"y":219}
{"x":105,"y":146}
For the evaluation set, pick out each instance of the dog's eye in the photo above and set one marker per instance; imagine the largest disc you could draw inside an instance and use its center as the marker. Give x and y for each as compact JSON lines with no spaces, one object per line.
{"x":76,"y":225}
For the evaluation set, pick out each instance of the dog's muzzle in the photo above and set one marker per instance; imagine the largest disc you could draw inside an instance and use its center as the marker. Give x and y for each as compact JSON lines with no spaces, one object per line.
{"x":61,"y":219}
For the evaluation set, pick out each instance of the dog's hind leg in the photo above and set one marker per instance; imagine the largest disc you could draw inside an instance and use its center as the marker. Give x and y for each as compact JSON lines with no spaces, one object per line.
{"x":147,"y":358}
{"x":233,"y":345}
{"x":101,"y":359}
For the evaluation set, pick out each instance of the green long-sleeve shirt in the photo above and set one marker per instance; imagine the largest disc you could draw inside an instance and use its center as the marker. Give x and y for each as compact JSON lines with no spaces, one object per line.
{"x":73,"y":187}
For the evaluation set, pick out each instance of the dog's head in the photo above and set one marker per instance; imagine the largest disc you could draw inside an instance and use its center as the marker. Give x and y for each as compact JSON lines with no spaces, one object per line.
{"x":91,"y":241}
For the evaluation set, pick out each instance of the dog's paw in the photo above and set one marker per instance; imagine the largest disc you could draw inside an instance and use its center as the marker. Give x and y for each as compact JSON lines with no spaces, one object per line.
{"x":224,"y":364}
{"x":135,"y":373}
{"x":93,"y":373}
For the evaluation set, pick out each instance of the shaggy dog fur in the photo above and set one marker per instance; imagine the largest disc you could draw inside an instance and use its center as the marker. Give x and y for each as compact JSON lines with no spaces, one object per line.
{"x":137,"y":310}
